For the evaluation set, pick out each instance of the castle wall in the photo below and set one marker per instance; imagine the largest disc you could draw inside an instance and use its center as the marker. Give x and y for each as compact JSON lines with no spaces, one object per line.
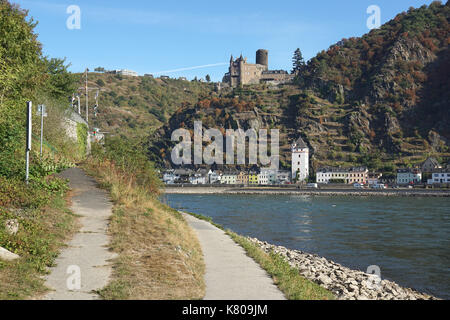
{"x":243,"y":73}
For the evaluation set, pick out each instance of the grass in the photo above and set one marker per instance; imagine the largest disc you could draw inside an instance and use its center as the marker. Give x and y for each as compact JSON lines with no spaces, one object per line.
{"x":41,"y":235}
{"x":159,"y":256}
{"x":288,"y":279}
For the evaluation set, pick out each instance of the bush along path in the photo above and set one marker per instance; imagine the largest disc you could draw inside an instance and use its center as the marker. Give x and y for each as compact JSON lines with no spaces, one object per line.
{"x":84,"y":266}
{"x":230,"y":273}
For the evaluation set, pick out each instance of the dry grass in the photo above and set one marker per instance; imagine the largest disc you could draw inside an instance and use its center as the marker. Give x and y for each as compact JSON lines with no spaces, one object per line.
{"x":159,"y":256}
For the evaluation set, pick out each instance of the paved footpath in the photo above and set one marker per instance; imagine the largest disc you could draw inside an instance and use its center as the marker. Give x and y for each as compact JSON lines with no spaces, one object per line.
{"x":88,"y":250}
{"x":230,"y":273}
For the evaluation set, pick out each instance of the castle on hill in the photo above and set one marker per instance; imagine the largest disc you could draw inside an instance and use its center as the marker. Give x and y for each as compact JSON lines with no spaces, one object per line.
{"x":241,"y":72}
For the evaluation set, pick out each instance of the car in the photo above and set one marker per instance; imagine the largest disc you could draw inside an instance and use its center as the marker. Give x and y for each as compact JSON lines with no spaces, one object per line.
{"x":358,"y":186}
{"x":312,"y":185}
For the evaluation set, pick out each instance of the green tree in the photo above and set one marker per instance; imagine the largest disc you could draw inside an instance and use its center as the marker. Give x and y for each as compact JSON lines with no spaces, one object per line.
{"x":20,"y":53}
{"x":298,"y":62}
{"x":60,"y":81}
{"x":208,"y":78}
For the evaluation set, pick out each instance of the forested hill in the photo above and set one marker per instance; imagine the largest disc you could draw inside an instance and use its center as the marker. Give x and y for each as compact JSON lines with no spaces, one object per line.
{"x":135,"y":106}
{"x":381,"y":100}
{"x":401,"y":71}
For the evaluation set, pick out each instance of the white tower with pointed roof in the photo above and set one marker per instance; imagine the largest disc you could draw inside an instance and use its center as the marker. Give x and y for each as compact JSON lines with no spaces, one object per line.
{"x":300,"y":160}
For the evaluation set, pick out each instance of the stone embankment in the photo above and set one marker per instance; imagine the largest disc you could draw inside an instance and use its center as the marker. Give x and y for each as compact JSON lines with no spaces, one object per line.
{"x":345,"y":283}
{"x":310,"y":192}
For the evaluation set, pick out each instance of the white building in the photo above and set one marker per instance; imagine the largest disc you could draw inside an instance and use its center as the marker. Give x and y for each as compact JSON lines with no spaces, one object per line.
{"x":409,"y":176}
{"x":440,"y":176}
{"x":214,"y":177}
{"x":197,"y":179}
{"x":169,"y":177}
{"x":267,"y":176}
{"x":229,"y":178}
{"x":126,"y":72}
{"x":300,"y":160}
{"x":346,"y":175}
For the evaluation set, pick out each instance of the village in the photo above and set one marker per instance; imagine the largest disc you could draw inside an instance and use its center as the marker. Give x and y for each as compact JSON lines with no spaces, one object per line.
{"x":430,"y":173}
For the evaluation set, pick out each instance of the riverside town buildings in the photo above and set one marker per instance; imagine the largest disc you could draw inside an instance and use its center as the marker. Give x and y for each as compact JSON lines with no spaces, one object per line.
{"x":256,"y":176}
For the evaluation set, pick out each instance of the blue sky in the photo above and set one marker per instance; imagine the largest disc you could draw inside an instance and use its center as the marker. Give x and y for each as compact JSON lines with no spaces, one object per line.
{"x":162,"y":36}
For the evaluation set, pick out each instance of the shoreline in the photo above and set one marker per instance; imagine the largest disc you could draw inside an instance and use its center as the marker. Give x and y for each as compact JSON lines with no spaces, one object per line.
{"x":345,"y":283}
{"x":310,"y":192}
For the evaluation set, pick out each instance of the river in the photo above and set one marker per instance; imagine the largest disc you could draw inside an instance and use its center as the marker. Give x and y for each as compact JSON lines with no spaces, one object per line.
{"x":408,"y":238}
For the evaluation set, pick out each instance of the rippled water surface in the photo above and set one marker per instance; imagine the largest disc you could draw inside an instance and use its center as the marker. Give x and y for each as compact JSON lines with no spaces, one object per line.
{"x":408,"y":238}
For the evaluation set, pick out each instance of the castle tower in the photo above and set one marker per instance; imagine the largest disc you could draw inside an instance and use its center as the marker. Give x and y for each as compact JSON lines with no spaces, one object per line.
{"x":262,"y":58}
{"x":300,"y":160}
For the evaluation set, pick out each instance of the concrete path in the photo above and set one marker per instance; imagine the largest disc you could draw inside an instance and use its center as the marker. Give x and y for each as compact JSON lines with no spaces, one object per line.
{"x":230,"y":273}
{"x":87,"y":251}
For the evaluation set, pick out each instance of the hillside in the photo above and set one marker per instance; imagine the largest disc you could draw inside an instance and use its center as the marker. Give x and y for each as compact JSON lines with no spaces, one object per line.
{"x":133,"y":106}
{"x":380,"y":100}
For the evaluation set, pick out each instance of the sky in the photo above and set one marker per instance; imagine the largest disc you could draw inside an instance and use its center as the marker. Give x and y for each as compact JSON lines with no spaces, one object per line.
{"x":195,"y":38}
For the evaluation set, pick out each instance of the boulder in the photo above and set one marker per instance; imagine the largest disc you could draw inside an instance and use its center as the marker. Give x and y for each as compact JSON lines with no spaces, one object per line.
{"x":7,"y":255}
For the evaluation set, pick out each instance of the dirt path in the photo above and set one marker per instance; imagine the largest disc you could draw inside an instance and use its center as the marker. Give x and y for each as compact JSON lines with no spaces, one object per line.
{"x":230,"y":273}
{"x":87,"y":252}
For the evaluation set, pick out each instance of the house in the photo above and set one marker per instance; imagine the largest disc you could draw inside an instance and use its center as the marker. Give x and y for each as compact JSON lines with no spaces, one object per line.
{"x":214,"y":177}
{"x":253,"y":177}
{"x":325,"y":174}
{"x":440,"y":176}
{"x":267,"y":176}
{"x":126,"y":72}
{"x":183,"y":175}
{"x":374,"y":178}
{"x":164,"y":77}
{"x":197,"y":178}
{"x":409,"y":176}
{"x":242,"y":178}
{"x":283,"y":177}
{"x":345,"y":175}
{"x":300,"y":160}
{"x":169,"y":177}
{"x":358,"y":175}
{"x":430,"y":165}
{"x":229,"y":177}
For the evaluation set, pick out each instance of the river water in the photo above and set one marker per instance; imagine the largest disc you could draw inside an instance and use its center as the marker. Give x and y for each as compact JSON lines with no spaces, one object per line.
{"x":407,"y":237}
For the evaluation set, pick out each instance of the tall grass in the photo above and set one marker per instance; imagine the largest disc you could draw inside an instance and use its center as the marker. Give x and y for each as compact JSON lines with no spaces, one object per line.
{"x":159,"y":256}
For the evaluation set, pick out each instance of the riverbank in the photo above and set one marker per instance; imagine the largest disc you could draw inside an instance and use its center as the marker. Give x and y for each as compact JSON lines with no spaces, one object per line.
{"x":345,"y":283}
{"x":311,"y":192}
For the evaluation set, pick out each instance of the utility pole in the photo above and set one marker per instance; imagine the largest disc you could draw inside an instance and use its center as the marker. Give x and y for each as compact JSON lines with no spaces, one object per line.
{"x":43,"y":113}
{"x":79,"y":105}
{"x":87,"y":97}
{"x":29,"y":133}
{"x":96,"y":104}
